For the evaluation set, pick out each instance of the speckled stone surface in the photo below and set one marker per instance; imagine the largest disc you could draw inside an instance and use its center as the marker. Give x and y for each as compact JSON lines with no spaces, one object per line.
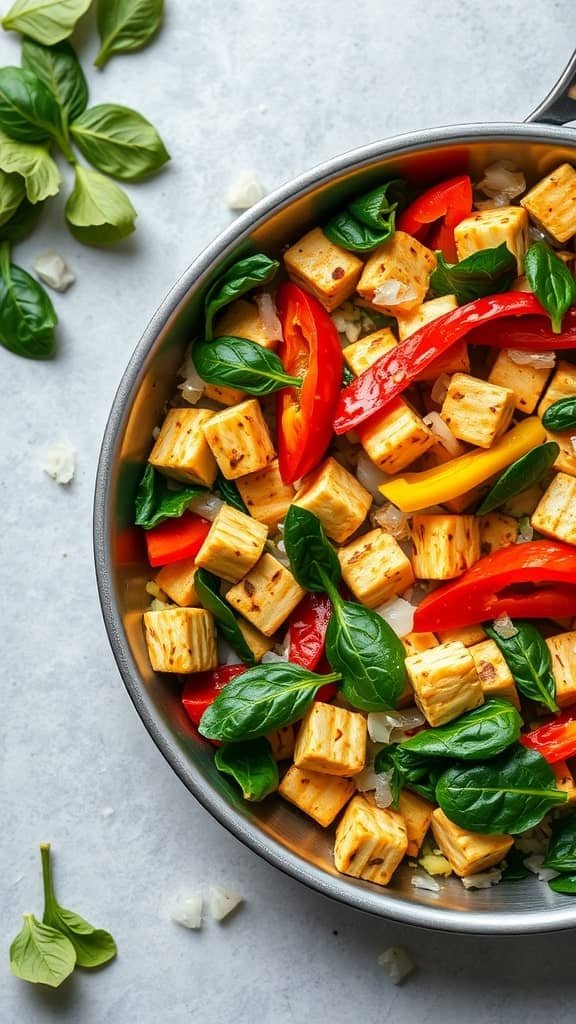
{"x":233,"y":85}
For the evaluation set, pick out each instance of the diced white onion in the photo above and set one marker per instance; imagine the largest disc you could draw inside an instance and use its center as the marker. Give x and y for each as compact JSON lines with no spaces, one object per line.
{"x":278,"y":551}
{"x":397,"y":963}
{"x":504,"y":627}
{"x":436,"y":424}
{"x":207,"y":506}
{"x":502,"y":182}
{"x":387,"y":726}
{"x":192,"y":387}
{"x":440,"y":388}
{"x":268,"y":316}
{"x":270,"y":657}
{"x":245,"y":191}
{"x":365,"y":781}
{"x":53,"y":270}
{"x":383,"y":793}
{"x":60,"y":463}
{"x":394,"y":293}
{"x":525,"y":532}
{"x":399,"y":614}
{"x":221,"y":902}
{"x":157,"y":605}
{"x":393,"y":521}
{"x":540,"y":360}
{"x":370,"y":476}
{"x":421,"y":881}
{"x":187,"y":911}
{"x":535,"y":863}
{"x":483,"y":879}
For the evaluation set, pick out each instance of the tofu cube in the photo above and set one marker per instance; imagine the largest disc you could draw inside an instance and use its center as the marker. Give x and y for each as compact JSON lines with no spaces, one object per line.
{"x":445,"y":682}
{"x":396,"y":438}
{"x":489,"y":228}
{"x":495,"y":677}
{"x":337,"y":498}
{"x":496,"y":531}
{"x":565,"y":780}
{"x":551,"y":203}
{"x":240,"y":440}
{"x":555,"y":515}
{"x":328,"y":271}
{"x":181,"y":640}
{"x":282,"y":742}
{"x":425,"y":314}
{"x":527,"y":382}
{"x":265,"y":495}
{"x":563,"y":653}
{"x":181,"y":451}
{"x":476,"y":411}
{"x":331,"y":740}
{"x":455,"y":360}
{"x":415,"y":643}
{"x":266,"y":596}
{"x":467,"y":852}
{"x":467,"y":635}
{"x":322,"y":797}
{"x":444,"y":545}
{"x":177,"y":580}
{"x":417,"y":815}
{"x":224,"y":396}
{"x":400,"y":258}
{"x":362,"y":354}
{"x":234,"y":544}
{"x":375,"y":568}
{"x":562,"y":385}
{"x":370,"y":842}
{"x":257,"y":642}
{"x":242,"y":319}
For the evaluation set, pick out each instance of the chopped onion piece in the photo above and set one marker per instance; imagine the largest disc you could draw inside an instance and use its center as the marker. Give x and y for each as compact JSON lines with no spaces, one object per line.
{"x":245,"y":191}
{"x":526,"y":531}
{"x":187,"y":911}
{"x":207,"y":506}
{"x":399,"y":614}
{"x":535,"y":863}
{"x":397,"y":963}
{"x":386,"y":726}
{"x":393,"y":293}
{"x":483,"y":879}
{"x":383,"y":794}
{"x":540,"y":360}
{"x":366,"y":780}
{"x":269,"y":657}
{"x":392,"y":521}
{"x":440,"y":388}
{"x":502,"y":182}
{"x":60,"y":463}
{"x":221,"y":902}
{"x":53,"y":270}
{"x":192,"y":387}
{"x":504,"y":627}
{"x":436,"y":424}
{"x":278,"y":551}
{"x":421,"y":881}
{"x":370,"y":476}
{"x":269,"y":316}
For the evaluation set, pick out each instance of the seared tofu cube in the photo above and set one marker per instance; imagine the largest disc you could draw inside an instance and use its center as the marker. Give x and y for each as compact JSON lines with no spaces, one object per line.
{"x":415,"y":643}
{"x":177,"y":580}
{"x":488,"y":229}
{"x":402,"y":259}
{"x":445,"y":682}
{"x":265,"y":495}
{"x":417,"y":815}
{"x":496,"y":531}
{"x":425,"y":314}
{"x":282,"y":742}
{"x":224,"y":396}
{"x":240,"y":440}
{"x":444,"y":545}
{"x":242,"y":319}
{"x":562,"y":649}
{"x":495,"y":677}
{"x":375,"y":568}
{"x":562,"y":385}
{"x":552,"y":203}
{"x":181,"y":451}
{"x":328,"y":271}
{"x":455,"y":360}
{"x":331,"y":740}
{"x":555,"y":515}
{"x":322,"y":797}
{"x":267,"y":595}
{"x":234,"y":544}
{"x":468,"y":852}
{"x":467,"y":635}
{"x":565,"y":780}
{"x":181,"y":640}
{"x":257,"y":642}
{"x":337,"y":498}
{"x":396,"y":438}
{"x":370,"y":842}
{"x":362,"y":354}
{"x":476,"y":411}
{"x":527,"y":382}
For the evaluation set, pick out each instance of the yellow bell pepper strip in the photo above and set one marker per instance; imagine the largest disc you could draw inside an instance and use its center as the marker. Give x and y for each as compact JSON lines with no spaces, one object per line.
{"x":415,"y":491}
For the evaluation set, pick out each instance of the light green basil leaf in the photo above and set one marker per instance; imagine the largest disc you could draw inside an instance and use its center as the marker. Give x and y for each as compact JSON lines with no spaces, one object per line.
{"x":120,"y":142}
{"x":40,"y":172}
{"x":93,"y":946}
{"x":98,"y":211}
{"x":46,"y":21}
{"x":251,"y":765}
{"x":28,"y":110}
{"x":551,"y":282}
{"x":12,"y":191}
{"x":60,"y":70}
{"x":41,"y":954}
{"x":27,"y":316}
{"x":126,"y":25}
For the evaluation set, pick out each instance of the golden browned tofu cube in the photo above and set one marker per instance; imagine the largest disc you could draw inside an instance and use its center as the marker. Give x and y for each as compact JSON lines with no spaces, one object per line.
{"x":488,"y":229}
{"x":476,"y":411}
{"x":326,"y":270}
{"x":565,"y":780}
{"x":331,"y":740}
{"x":552,"y":203}
{"x":242,"y":319}
{"x":181,"y":640}
{"x":233,"y":545}
{"x":282,"y":742}
{"x":265,"y":495}
{"x":240,"y":440}
{"x":267,"y":595}
{"x":417,"y":815}
{"x":455,"y":360}
{"x":224,"y":396}
{"x":322,"y":797}
{"x":370,"y":842}
{"x":555,"y":515}
{"x":257,"y":642}
{"x":496,"y":531}
{"x":337,"y":498}
{"x":467,"y":635}
{"x":177,"y":580}
{"x":401,"y":259}
{"x":527,"y":382}
{"x":425,"y":314}
{"x":375,"y":568}
{"x":364,"y":353}
{"x":562,"y":385}
{"x":181,"y":451}
{"x":562,"y":649}
{"x":495,"y":677}
{"x":444,"y":545}
{"x":396,"y":438}
{"x":415,"y":643}
{"x":467,"y":852}
{"x":445,"y":682}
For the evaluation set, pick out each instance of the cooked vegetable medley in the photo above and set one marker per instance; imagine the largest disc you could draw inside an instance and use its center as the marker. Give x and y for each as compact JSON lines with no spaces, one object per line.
{"x":361,"y":512}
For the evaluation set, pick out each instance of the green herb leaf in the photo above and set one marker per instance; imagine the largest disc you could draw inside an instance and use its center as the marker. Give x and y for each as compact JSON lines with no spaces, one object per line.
{"x":509,"y":794}
{"x":251,"y":765}
{"x":22,"y":222}
{"x":27,"y":316}
{"x":480,"y":734}
{"x":156,"y":501}
{"x":523,"y":473}
{"x":551,"y":282}
{"x":229,"y":493}
{"x":313,"y":560}
{"x":93,"y":946}
{"x":11,"y":195}
{"x":34,"y":164}
{"x":120,"y":142}
{"x":46,"y":21}
{"x":368,"y":655}
{"x":385,"y":761}
{"x":234,"y":282}
{"x":347,"y":376}
{"x":98,"y":211}
{"x":41,"y":955}
{"x":414,"y":771}
{"x":377,"y":208}
{"x":207,"y":587}
{"x":483,"y":273}
{"x":566,"y":885}
{"x":60,"y":70}
{"x":239,"y":363}
{"x":561,"y":854}
{"x":126,"y":25}
{"x":344,"y":230}
{"x":529,"y":661}
{"x":28,"y":110}
{"x":515,"y":869}
{"x":264,"y":698}
{"x":561,"y":415}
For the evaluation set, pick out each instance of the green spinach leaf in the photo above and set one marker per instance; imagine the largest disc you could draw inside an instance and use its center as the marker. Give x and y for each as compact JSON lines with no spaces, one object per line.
{"x":234,"y":282}
{"x":11,"y":195}
{"x":27,"y":316}
{"x":34,"y":164}
{"x":93,"y":946}
{"x":515,"y":869}
{"x":529,"y":661}
{"x":120,"y":142}
{"x":344,"y":230}
{"x":483,"y":273}
{"x":367,"y":654}
{"x":370,"y":218}
{"x":98,"y":211}
{"x":207,"y":587}
{"x":156,"y":501}
{"x":46,"y":21}
{"x":239,"y":363}
{"x":229,"y":493}
{"x":126,"y":25}
{"x":523,"y":473}
{"x":480,"y":734}
{"x":28,"y":110}
{"x":41,"y":955}
{"x":561,"y":415}
{"x":60,"y":70}
{"x":312,"y":558}
{"x":551,"y":282}
{"x":251,"y":765}
{"x":561,"y":854}
{"x":566,"y":885}
{"x":21,"y":223}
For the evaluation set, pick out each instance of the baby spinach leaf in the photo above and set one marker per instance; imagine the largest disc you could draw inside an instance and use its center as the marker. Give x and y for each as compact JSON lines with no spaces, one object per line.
{"x":234,"y":282}
{"x":367,"y":654}
{"x":561,"y":415}
{"x":482,"y":733}
{"x":483,"y":273}
{"x":377,"y":208}
{"x":561,"y":854}
{"x":11,"y":195}
{"x":207,"y":586}
{"x":98,"y":211}
{"x":239,"y":363}
{"x":156,"y":501}
{"x":27,"y":316}
{"x":510,"y":794}
{"x":551,"y":282}
{"x":565,"y":885}
{"x":527,"y":470}
{"x":126,"y":25}
{"x":120,"y":142}
{"x":344,"y":230}
{"x":229,"y":493}
{"x":313,"y":560}
{"x":41,"y":955}
{"x":60,"y":70}
{"x":529,"y":661}
{"x":28,"y":110}
{"x":251,"y":765}
{"x":46,"y":21}
{"x":416,"y":772}
{"x":515,"y":869}
{"x":22,"y":222}
{"x":34,"y":164}
{"x":266,"y":697}
{"x":93,"y":946}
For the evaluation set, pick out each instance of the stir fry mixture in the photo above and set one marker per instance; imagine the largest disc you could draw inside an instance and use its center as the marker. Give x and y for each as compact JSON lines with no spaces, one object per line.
{"x":361,"y":513}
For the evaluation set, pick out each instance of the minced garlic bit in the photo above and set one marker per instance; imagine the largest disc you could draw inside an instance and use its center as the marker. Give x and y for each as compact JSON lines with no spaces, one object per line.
{"x":187,"y":911}
{"x":53,"y":270}
{"x":419,"y":880}
{"x":483,"y":879}
{"x":221,"y":902}
{"x":505,"y":627}
{"x":245,"y":191}
{"x":60,"y":463}
{"x":397,"y":963}
{"x":535,"y":864}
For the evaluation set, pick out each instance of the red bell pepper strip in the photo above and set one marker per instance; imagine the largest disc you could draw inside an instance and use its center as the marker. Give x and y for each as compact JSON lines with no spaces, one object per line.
{"x":393,"y":373}
{"x":310,"y":349}
{"x":532,"y":580}
{"x":201,"y":689}
{"x":450,"y":200}
{"x":307,"y":630}
{"x":442,"y":237}
{"x":556,"y":739}
{"x":529,"y":332}
{"x":176,"y":539}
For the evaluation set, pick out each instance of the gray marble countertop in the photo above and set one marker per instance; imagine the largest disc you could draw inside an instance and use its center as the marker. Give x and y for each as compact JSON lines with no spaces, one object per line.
{"x":234,"y":85}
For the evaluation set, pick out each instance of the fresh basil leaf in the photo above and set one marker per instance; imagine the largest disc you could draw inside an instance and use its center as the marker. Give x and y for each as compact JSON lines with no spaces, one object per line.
{"x":366,"y":652}
{"x":565,"y":885}
{"x":510,"y":794}
{"x":483,"y":273}
{"x":41,"y":954}
{"x":207,"y":587}
{"x":515,"y":869}
{"x":93,"y":946}
{"x":22,"y":223}
{"x":234,"y":282}
{"x":561,"y":854}
{"x":229,"y":493}
{"x":34,"y":164}
{"x":313,"y":560}
{"x":377,"y":208}
{"x":477,"y":735}
{"x":239,"y":363}
{"x":27,"y":316}
{"x":523,"y":473}
{"x":98,"y":211}
{"x":46,"y":21}
{"x":120,"y":142}
{"x":347,"y":377}
{"x":60,"y":70}
{"x":126,"y":25}
{"x":561,"y":415}
{"x":156,"y":501}
{"x":529,"y":661}
{"x":11,"y":195}
{"x":551,"y":282}
{"x":28,"y":110}
{"x":344,"y":230}
{"x":251,"y":765}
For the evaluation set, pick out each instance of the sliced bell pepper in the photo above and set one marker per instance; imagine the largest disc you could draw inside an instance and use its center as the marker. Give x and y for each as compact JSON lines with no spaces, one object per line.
{"x":201,"y":689}
{"x":530,"y":332}
{"x":310,"y":349}
{"x":442,"y":237}
{"x":307,"y":630}
{"x":555,"y":739}
{"x":176,"y":539}
{"x":536,"y":580}
{"x":450,"y":200}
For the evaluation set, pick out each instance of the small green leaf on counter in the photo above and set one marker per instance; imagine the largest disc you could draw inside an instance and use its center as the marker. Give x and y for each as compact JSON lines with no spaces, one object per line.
{"x":156,"y":500}
{"x":46,"y":21}
{"x":60,"y":70}
{"x":483,"y":273}
{"x":240,"y":363}
{"x":28,"y":110}
{"x":523,"y":473}
{"x":22,"y":222}
{"x":34,"y":164}
{"x":93,"y":946}
{"x":551,"y":282}
{"x":41,"y":955}
{"x":12,"y":192}
{"x":561,"y":415}
{"x":529,"y":660}
{"x":251,"y":765}
{"x":126,"y":25}
{"x":119,"y":141}
{"x":98,"y":211}
{"x":27,"y":316}
{"x":207,"y":587}
{"x":234,"y":282}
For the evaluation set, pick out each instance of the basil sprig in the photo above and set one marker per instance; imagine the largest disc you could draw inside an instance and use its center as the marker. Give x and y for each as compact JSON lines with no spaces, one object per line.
{"x":477,"y":735}
{"x":551,"y":282}
{"x":207,"y":587}
{"x":241,"y":277}
{"x":28,"y":110}
{"x":561,"y":854}
{"x":483,"y":273}
{"x":529,"y":660}
{"x":48,"y":22}
{"x":156,"y":501}
{"x":119,"y":141}
{"x":93,"y":946}
{"x":126,"y":25}
{"x":561,"y":415}
{"x":369,"y":219}
{"x":251,"y":765}
{"x":98,"y":211}
{"x":27,"y":316}
{"x":239,"y":363}
{"x":523,"y":473}
{"x":60,"y":70}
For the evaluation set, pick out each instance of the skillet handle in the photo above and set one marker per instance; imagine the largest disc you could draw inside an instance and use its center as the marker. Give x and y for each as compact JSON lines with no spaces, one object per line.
{"x":559,"y":107}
